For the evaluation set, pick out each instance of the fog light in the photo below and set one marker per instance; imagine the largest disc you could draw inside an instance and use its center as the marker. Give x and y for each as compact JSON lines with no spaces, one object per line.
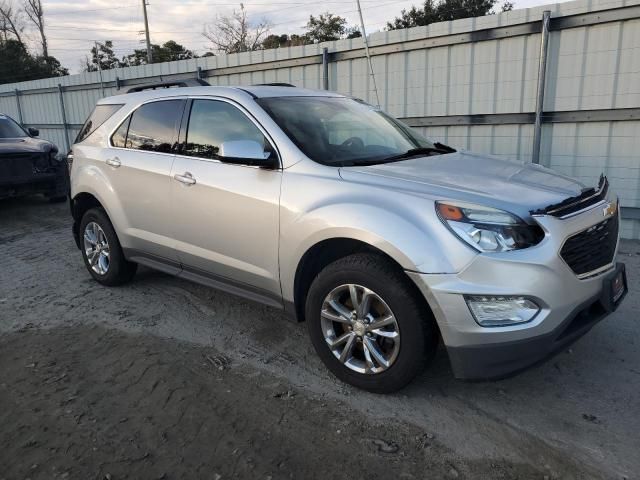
{"x":491,"y":311}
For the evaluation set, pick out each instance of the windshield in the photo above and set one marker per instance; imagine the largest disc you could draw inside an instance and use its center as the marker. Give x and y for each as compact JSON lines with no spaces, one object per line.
{"x":342,"y":131}
{"x":10,"y":129}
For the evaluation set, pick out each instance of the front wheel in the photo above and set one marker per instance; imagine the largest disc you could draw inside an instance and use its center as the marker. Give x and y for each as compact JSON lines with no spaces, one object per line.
{"x":368,"y":323}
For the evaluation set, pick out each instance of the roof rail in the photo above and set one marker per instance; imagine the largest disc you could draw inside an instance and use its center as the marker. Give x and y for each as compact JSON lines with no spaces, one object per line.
{"x":190,"y":82}
{"x":274,"y":85}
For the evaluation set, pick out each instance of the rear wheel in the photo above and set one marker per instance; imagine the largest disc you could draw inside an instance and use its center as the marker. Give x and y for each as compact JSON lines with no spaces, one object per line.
{"x":368,"y":324}
{"x":101,"y":250}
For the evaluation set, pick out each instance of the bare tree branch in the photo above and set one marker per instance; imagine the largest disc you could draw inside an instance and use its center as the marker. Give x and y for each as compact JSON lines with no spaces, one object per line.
{"x":235,"y":34}
{"x":11,"y":22}
{"x":33,"y":9}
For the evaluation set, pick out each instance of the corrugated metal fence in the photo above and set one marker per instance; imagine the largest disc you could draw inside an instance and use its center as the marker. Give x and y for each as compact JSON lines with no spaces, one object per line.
{"x":470,"y":83}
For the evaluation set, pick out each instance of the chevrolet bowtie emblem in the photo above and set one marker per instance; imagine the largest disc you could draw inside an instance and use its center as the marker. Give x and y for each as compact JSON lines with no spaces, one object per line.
{"x":610,"y":209}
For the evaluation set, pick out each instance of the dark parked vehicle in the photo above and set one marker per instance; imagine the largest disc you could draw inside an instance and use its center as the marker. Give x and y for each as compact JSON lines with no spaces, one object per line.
{"x":30,"y":165}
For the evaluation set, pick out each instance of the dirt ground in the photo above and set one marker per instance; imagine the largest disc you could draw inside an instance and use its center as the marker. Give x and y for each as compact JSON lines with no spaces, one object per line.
{"x":167,"y":379}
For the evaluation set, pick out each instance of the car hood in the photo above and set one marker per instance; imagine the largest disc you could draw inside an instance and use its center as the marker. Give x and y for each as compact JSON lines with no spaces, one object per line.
{"x":469,"y":177}
{"x":25,"y":145}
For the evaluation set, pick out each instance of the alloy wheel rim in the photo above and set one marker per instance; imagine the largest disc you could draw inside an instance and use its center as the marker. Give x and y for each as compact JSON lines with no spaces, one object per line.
{"x":360,"y":329}
{"x":96,"y":248}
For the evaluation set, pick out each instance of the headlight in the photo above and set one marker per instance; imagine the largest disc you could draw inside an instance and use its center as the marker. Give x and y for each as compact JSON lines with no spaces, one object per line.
{"x":491,"y":311}
{"x":487,"y":229}
{"x":70,"y":160}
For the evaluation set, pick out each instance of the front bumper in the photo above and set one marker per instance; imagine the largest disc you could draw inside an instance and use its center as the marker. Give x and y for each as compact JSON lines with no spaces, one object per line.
{"x":52,"y":184}
{"x":569,"y":306}
{"x":493,"y":361}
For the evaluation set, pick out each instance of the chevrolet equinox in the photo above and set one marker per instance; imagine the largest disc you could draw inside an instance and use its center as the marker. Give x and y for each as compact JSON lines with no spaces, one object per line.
{"x":385,"y":242}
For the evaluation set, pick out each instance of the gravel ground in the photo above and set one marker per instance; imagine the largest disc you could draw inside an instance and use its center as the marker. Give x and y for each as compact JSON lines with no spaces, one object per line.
{"x":167,"y":379}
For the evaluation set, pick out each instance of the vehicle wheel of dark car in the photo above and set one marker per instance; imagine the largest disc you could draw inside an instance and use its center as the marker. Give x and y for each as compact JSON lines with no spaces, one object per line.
{"x":101,"y":250}
{"x":367,"y":323}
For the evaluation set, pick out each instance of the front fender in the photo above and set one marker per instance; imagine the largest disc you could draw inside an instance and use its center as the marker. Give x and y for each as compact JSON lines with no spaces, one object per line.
{"x":414,"y":242}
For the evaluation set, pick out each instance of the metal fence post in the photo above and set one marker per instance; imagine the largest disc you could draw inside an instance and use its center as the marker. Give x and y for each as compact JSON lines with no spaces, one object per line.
{"x":64,"y":117}
{"x":18,"y":106}
{"x":325,"y":68}
{"x":542,"y":73}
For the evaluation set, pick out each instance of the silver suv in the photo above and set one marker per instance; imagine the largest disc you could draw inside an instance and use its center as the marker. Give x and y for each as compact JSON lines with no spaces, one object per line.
{"x":323,"y":206}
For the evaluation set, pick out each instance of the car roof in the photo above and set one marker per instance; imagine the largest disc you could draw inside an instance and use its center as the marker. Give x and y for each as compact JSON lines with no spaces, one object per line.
{"x":255,"y":91}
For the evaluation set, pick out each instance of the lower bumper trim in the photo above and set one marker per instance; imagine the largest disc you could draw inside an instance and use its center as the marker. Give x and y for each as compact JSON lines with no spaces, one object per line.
{"x":501,"y":360}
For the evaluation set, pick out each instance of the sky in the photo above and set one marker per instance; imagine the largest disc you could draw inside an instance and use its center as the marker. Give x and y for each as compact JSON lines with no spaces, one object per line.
{"x":73,"y":26}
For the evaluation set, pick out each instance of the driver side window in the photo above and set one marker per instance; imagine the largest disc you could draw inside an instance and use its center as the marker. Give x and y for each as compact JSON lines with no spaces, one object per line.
{"x":212,"y":122}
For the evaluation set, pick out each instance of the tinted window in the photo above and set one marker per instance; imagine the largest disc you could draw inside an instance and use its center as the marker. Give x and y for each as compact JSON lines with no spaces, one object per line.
{"x":119,"y":138}
{"x":100,"y":114}
{"x":10,"y":129}
{"x":154,"y":126}
{"x":212,"y":122}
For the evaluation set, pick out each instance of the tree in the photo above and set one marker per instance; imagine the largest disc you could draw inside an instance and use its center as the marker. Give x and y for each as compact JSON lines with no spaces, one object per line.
{"x":278,"y":41}
{"x":353,"y":32}
{"x":325,"y":28}
{"x":33,"y":9}
{"x":11,"y":22}
{"x":433,"y":11}
{"x":168,"y":52}
{"x":104,"y":54}
{"x":25,"y":66}
{"x":235,"y":34}
{"x":507,"y":6}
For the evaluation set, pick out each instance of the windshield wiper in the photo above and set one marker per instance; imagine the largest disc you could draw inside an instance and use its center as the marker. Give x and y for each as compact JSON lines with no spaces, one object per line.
{"x":438,"y":148}
{"x":415,"y":152}
{"x":442,"y":146}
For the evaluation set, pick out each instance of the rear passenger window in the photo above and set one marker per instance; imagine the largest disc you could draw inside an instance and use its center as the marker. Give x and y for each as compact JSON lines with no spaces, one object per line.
{"x":154,"y":126}
{"x":212,"y":122}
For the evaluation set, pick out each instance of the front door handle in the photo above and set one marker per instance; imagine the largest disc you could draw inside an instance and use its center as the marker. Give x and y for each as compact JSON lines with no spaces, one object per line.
{"x":114,"y":162}
{"x":186,"y":179}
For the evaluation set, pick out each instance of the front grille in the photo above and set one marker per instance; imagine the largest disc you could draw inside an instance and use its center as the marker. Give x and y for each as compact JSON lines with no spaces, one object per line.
{"x":593,"y":248}
{"x":21,"y":165}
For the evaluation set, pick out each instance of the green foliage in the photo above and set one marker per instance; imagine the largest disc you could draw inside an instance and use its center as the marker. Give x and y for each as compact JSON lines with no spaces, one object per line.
{"x":433,"y":11}
{"x":18,"y":65}
{"x":104,"y":54}
{"x":278,"y":41}
{"x":168,"y":52}
{"x":324,"y":28}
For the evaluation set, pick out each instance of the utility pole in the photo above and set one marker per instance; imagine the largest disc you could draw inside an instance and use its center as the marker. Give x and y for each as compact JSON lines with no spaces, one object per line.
{"x":146,"y":32}
{"x":366,"y":51}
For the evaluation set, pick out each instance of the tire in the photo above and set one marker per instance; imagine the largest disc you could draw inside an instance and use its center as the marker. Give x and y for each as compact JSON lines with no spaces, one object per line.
{"x":417,"y":333}
{"x":119,"y":270}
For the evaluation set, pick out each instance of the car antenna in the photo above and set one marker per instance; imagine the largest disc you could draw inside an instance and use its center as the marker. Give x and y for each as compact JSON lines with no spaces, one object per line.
{"x":366,"y":51}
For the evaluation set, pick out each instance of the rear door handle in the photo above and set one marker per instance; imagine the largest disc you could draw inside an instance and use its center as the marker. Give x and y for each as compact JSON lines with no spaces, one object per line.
{"x":186,"y":179}
{"x":114,"y":162}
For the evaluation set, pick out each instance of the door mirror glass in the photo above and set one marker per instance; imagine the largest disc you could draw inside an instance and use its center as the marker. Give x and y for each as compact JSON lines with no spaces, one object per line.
{"x":242,"y":150}
{"x":34,"y":132}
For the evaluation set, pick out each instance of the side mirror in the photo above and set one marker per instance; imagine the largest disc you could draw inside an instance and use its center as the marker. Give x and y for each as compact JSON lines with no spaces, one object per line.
{"x":34,"y":132}
{"x":246,"y":152}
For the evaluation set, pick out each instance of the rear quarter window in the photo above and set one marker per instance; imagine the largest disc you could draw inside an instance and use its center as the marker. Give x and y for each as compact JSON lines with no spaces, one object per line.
{"x":100,"y":114}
